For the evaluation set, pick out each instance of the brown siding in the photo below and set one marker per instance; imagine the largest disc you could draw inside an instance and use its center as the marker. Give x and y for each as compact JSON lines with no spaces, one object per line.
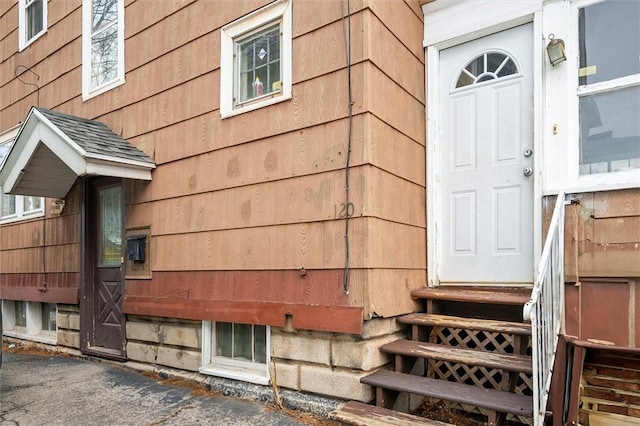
{"x":237,"y":208}
{"x":602,"y":266}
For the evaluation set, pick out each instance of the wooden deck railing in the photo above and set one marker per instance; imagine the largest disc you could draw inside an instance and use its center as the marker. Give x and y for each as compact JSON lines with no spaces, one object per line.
{"x":545,"y":310}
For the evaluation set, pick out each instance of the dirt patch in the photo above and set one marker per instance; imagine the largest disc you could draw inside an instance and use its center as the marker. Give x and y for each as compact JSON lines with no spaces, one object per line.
{"x":30,"y":348}
{"x":438,"y":410}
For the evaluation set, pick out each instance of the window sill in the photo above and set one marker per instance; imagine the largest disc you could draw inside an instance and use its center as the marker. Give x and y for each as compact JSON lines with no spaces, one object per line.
{"x":102,"y":89}
{"x":230,"y":112}
{"x":597,"y":183}
{"x":32,"y":40}
{"x":236,"y":373}
{"x":49,"y":338}
{"x":15,"y":218}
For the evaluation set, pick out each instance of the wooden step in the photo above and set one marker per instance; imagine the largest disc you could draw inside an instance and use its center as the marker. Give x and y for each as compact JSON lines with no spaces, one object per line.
{"x":507,"y":362}
{"x":503,"y":402}
{"x":493,"y":326}
{"x":497,"y":295}
{"x":360,"y":414}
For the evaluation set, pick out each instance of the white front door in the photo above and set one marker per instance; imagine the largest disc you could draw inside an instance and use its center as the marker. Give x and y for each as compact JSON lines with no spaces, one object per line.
{"x":485,"y":217}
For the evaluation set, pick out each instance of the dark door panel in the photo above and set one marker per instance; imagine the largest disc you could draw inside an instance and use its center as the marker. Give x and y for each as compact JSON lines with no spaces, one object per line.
{"x":103,"y":269}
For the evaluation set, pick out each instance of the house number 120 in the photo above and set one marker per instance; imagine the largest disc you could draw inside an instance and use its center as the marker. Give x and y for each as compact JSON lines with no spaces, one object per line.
{"x":343,"y":211}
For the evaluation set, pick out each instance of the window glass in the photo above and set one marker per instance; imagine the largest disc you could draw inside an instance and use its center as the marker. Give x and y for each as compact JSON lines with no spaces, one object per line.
{"x":486,"y":67}
{"x":242,"y":341}
{"x":259,"y":64}
{"x":8,"y":204}
{"x":32,"y":204}
{"x":103,"y":41}
{"x":110,"y":223}
{"x":224,"y":336}
{"x":48,"y":311}
{"x":20,"y":314}
{"x":609,"y":45}
{"x":104,"y":12}
{"x":104,"y":56}
{"x":34,"y":18}
{"x":610,"y":131}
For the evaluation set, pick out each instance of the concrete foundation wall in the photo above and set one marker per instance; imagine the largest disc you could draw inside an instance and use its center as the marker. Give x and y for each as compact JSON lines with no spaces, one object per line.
{"x":330,"y":363}
{"x":165,"y":341}
{"x":68,"y":320}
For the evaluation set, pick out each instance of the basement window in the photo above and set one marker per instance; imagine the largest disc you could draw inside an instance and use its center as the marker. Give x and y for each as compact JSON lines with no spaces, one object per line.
{"x":30,"y":321}
{"x":236,"y":351}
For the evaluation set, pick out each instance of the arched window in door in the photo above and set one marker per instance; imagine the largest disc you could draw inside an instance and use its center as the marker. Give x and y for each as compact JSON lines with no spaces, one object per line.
{"x":486,"y":66}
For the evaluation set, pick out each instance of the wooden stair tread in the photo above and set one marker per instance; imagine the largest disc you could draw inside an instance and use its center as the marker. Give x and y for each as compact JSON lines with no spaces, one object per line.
{"x":361,"y":414}
{"x":504,"y":402}
{"x":507,"y":362}
{"x":467,"y":323}
{"x":497,"y":296}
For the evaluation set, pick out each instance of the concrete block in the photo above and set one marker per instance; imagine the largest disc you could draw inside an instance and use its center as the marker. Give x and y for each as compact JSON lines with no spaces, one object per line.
{"x":62,"y":319}
{"x":68,"y":308}
{"x":286,"y":375}
{"x":68,"y":338}
{"x":188,"y":336}
{"x":298,"y":347}
{"x":362,"y":355}
{"x":145,"y":331}
{"x":334,"y":382}
{"x":142,"y":352}
{"x":179,"y":358}
{"x":74,"y":321}
{"x":380,"y":326}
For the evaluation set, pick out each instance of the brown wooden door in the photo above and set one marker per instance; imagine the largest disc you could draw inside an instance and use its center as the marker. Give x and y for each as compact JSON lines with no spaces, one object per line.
{"x":103,"y":273}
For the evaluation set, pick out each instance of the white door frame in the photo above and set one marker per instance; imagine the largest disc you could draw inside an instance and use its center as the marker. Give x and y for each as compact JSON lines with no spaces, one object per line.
{"x":449,"y":23}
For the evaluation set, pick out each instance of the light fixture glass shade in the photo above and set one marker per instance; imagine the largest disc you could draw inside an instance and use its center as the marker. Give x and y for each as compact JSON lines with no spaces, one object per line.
{"x":555,"y":50}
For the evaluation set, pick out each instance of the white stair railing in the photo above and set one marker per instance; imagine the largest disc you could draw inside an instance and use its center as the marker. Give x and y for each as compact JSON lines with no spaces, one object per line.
{"x":545,"y":310}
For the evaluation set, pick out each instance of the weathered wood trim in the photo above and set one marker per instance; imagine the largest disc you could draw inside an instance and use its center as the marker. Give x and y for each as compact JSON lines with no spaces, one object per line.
{"x":41,"y":294}
{"x":53,"y":280}
{"x":339,"y":319}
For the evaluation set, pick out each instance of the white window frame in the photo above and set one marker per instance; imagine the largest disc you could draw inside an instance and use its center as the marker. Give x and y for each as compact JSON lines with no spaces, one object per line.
{"x":245,"y":371}
{"x":277,"y":11}
{"x":562,"y":126}
{"x":33,"y":330}
{"x":23,"y":42}
{"x":21,"y":213}
{"x":87,"y":91}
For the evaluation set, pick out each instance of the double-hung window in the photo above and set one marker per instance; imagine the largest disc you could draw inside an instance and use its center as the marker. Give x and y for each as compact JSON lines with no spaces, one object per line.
{"x":32,"y":18}
{"x":609,"y":88}
{"x":102,"y":46}
{"x":255,"y":64}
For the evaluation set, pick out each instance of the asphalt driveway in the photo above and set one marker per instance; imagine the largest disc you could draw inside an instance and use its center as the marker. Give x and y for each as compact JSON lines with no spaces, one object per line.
{"x":52,"y":390}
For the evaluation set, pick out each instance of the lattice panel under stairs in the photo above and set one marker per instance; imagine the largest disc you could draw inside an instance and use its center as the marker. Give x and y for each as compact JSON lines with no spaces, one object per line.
{"x":473,"y":375}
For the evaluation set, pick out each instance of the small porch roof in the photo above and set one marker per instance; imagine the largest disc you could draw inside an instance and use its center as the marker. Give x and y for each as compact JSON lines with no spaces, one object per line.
{"x":52,"y":149}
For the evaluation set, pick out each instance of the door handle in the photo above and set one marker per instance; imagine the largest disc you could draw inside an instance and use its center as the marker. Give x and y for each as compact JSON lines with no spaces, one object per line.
{"x":527,"y":171}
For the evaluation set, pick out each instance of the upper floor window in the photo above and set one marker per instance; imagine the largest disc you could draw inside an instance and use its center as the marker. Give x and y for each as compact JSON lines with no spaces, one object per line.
{"x":609,"y":87}
{"x":255,"y":65}
{"x":102,"y":46}
{"x":32,"y":18}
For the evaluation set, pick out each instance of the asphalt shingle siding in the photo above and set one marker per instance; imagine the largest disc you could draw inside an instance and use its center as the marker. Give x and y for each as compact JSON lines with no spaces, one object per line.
{"x":94,"y":137}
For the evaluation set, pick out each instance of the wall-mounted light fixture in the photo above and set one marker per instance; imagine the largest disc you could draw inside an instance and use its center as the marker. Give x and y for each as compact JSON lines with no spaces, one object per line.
{"x":555,"y":50}
{"x":57,"y":206}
